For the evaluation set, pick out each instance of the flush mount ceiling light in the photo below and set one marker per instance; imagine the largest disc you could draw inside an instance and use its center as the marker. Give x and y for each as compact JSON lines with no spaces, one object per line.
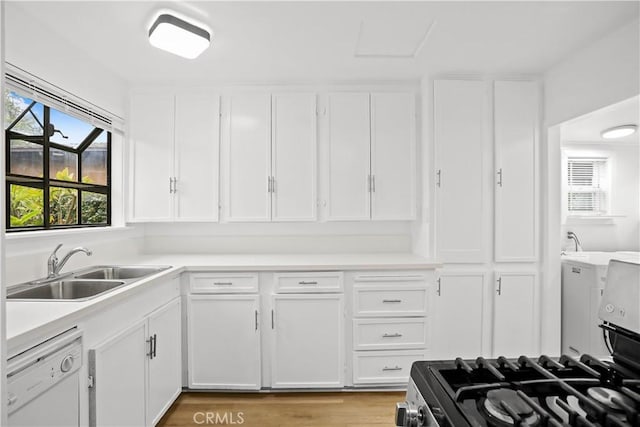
{"x":618,"y":131}
{"x":178,"y":36}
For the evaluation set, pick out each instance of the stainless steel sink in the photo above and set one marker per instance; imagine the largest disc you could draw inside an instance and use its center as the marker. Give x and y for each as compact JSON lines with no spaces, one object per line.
{"x":83,"y":284}
{"x":66,"y":289}
{"x":119,"y":272}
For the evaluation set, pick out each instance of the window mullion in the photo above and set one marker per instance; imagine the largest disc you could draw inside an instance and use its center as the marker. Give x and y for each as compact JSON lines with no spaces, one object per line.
{"x":46,"y":209}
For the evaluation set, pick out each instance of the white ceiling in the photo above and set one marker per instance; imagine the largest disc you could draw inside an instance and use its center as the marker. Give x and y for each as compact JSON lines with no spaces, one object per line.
{"x":587,"y":128}
{"x":333,"y":41}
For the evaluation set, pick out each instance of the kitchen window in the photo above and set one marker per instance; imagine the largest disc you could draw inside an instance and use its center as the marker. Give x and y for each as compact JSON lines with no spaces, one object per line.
{"x":587,"y":186}
{"x":58,"y":168}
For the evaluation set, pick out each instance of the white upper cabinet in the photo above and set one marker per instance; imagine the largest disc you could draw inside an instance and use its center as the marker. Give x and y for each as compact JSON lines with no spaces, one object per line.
{"x":393,"y":156}
{"x":175,"y":141}
{"x":293,"y":159}
{"x":515,"y":320}
{"x":151,"y":136}
{"x":516,"y":144}
{"x":349,"y":161}
{"x":270,"y":152}
{"x":196,"y":156}
{"x":247,"y":145}
{"x":371,"y":170}
{"x":460,"y":109}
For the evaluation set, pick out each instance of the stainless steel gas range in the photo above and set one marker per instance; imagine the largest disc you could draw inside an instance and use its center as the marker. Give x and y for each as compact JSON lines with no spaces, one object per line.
{"x":540,"y":391}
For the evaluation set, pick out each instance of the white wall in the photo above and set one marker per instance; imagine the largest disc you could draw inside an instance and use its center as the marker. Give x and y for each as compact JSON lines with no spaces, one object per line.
{"x":600,"y":74}
{"x":32,"y":46}
{"x":622,"y":232}
{"x":330,"y":237}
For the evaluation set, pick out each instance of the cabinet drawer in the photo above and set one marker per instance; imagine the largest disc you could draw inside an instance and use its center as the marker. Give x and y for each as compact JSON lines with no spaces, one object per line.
{"x":383,"y":334}
{"x":312,"y":282}
{"x":383,"y":367}
{"x":223,"y":283}
{"x":387,"y":301}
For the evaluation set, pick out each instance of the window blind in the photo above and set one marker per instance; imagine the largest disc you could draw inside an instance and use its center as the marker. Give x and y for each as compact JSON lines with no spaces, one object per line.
{"x":586,"y":179}
{"x":53,"y":96}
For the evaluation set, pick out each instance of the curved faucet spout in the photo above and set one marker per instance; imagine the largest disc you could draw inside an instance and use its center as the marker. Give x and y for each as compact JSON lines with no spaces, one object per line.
{"x":54,"y":266}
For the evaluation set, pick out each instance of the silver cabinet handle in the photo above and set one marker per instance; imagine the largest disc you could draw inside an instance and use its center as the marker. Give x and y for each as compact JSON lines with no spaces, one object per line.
{"x":170,"y":185}
{"x":268,"y":184}
{"x":150,"y":341}
{"x":368,"y":183}
{"x":499,"y":290}
{"x":387,"y":301}
{"x":155,"y":345}
{"x":307,"y":283}
{"x":500,"y":177}
{"x":576,"y":270}
{"x":574,"y":349}
{"x":438,"y":291}
{"x":223,"y":283}
{"x":438,"y":177}
{"x":373,"y":183}
{"x":273,"y":184}
{"x":272,"y":321}
{"x":256,"y":320}
{"x":396,"y":368}
{"x":396,"y":335}
{"x":175,"y":185}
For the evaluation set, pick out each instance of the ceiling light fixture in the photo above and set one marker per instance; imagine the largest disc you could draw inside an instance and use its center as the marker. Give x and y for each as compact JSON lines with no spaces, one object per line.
{"x":619,"y":131}
{"x":178,"y":36}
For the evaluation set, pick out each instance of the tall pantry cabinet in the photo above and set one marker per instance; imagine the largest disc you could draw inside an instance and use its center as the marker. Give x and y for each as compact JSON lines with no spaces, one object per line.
{"x":486,"y":217}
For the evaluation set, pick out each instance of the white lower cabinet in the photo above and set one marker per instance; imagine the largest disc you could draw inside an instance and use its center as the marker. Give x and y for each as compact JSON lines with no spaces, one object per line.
{"x":458,"y":315}
{"x":515,"y":320}
{"x":135,"y":373}
{"x":224,"y":342}
{"x":390,"y":326}
{"x":308,"y":341}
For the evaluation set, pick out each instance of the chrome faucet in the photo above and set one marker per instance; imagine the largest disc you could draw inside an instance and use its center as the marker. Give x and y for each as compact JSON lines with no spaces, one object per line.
{"x":54,"y":266}
{"x":572,"y":236}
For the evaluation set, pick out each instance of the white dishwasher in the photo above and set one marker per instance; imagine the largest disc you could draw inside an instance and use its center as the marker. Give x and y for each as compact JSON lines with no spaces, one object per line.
{"x":43,"y":383}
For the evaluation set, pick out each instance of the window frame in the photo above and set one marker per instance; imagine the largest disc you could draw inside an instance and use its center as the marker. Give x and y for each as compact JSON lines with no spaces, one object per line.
{"x":45,"y":183}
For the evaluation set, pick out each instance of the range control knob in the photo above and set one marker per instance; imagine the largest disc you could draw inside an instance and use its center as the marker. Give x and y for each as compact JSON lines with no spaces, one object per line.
{"x":67,"y":363}
{"x":407,"y":415}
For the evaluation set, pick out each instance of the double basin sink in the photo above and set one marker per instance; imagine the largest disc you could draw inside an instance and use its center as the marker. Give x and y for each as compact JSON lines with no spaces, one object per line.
{"x":83,"y":284}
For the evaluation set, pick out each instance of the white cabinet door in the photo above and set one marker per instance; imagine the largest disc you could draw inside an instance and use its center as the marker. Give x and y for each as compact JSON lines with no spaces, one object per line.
{"x":516,"y":135}
{"x":224,"y":342}
{"x":294,"y":157}
{"x":308,"y":341}
{"x":197,"y":130}
{"x":458,"y":316}
{"x":151,"y":137}
{"x":460,"y":134}
{"x":393,"y":156}
{"x":165,"y":364}
{"x":514,"y":315}
{"x":348,"y":160}
{"x":119,"y":369}
{"x":248,"y":150}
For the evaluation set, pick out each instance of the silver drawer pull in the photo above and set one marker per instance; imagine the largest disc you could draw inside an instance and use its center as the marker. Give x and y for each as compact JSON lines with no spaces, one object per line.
{"x":307,"y":283}
{"x":396,"y":335}
{"x":223,"y":283}
{"x":396,"y":368}
{"x":391,"y":300}
{"x":575,"y":270}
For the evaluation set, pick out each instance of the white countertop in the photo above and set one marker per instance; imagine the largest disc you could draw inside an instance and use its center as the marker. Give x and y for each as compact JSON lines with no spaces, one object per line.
{"x":29,"y":320}
{"x":600,"y":259}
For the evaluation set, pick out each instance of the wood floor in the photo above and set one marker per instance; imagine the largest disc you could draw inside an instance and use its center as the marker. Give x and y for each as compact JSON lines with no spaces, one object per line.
{"x":345,"y":409}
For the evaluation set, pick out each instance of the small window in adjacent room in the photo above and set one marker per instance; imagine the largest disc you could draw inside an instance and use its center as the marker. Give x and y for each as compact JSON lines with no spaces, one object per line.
{"x":57,"y":169}
{"x":587,"y":186}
